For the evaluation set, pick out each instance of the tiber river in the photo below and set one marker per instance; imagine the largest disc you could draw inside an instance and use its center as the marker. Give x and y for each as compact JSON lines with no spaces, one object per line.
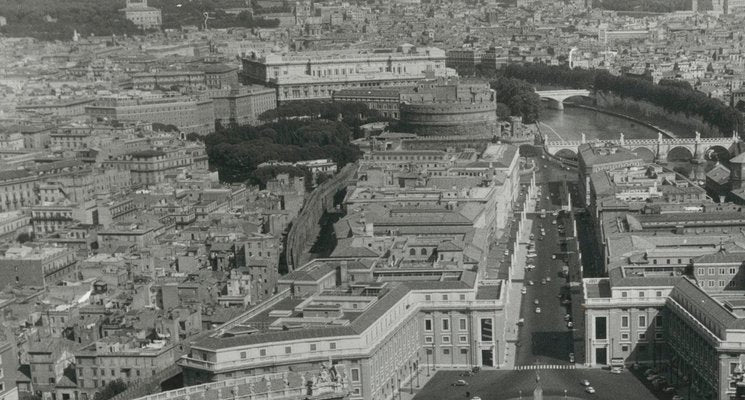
{"x":570,"y":123}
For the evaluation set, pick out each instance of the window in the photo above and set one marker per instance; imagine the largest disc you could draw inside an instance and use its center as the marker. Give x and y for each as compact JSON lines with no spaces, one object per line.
{"x":700,"y":271}
{"x":642,"y":321}
{"x":262,"y":353}
{"x":428,"y":325}
{"x":428,"y":339}
{"x":659,"y":293}
{"x":243,"y":354}
{"x":462,"y":324}
{"x":658,"y":321}
{"x":444,"y":297}
{"x":711,"y":271}
{"x":624,"y":294}
{"x":355,"y":375}
{"x":487,"y":330}
{"x":658,"y":336}
{"x":427,"y":297}
{"x":601,"y":330}
{"x":642,"y":336}
{"x":288,"y":349}
{"x":732,"y":271}
{"x":312,"y":347}
{"x":412,"y":252}
{"x":446,"y":339}
{"x":446,"y":352}
{"x":463,"y":351}
{"x":624,"y":348}
{"x":463,"y":339}
{"x":733,"y":367}
{"x":332,"y":345}
{"x":445,"y":324}
{"x":641,"y":294}
{"x":462,"y":296}
{"x":625,"y":321}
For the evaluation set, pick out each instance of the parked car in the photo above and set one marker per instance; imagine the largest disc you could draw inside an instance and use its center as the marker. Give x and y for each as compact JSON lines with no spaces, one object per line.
{"x":571,"y":357}
{"x":460,"y":382}
{"x":570,"y":325}
{"x":537,"y":310}
{"x":669,"y":389}
{"x":521,"y":321}
{"x":590,"y":390}
{"x":543,"y":281}
{"x":567,"y":318}
{"x":584,"y":382}
{"x":536,"y":302}
{"x":530,"y":283}
{"x":523,"y":290}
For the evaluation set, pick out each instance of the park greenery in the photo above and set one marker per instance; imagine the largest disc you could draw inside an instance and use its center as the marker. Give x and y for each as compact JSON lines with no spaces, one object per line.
{"x":516,"y":97}
{"x":672,"y":96}
{"x":291,"y":136}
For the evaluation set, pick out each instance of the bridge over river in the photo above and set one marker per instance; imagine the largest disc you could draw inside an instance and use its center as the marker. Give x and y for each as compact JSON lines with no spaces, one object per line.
{"x":700,"y":149}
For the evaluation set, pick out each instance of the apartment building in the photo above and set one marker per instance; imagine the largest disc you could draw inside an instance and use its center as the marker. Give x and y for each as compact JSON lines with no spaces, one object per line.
{"x":318,"y":74}
{"x":383,"y":333}
{"x":125,"y":358}
{"x":154,"y":166}
{"x":141,"y":15}
{"x":38,"y":266}
{"x":8,"y":367}
{"x":242,"y":105}
{"x":17,"y":189}
{"x":186,"y":113}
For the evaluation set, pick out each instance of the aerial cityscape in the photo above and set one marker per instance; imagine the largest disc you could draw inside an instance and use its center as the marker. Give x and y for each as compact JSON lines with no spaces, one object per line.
{"x":372,"y":199}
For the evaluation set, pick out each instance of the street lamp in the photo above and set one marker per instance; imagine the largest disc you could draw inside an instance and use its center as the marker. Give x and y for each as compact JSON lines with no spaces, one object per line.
{"x":411,"y":380}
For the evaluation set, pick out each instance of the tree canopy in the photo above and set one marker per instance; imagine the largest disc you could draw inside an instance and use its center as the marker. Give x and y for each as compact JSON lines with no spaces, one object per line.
{"x":660,"y":6}
{"x":519,"y":97}
{"x":237,"y":152}
{"x":111,"y":389}
{"x":673,"y":96}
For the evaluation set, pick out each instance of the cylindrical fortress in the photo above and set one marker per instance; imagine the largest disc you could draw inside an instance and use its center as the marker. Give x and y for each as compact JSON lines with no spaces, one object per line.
{"x":452,"y":108}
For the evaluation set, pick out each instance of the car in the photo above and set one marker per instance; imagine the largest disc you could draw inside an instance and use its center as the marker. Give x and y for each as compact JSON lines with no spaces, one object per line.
{"x":530,"y":283}
{"x":543,"y":281}
{"x":571,"y":357}
{"x":548,"y":279}
{"x":532,"y":236}
{"x":524,"y":290}
{"x":555,"y":213}
{"x":590,"y":389}
{"x":460,"y":382}
{"x":553,"y":222}
{"x":678,"y":397}
{"x":475,"y":398}
{"x":506,"y":252}
{"x":537,"y":310}
{"x":567,"y":318}
{"x":553,"y":256}
{"x":570,"y":325}
{"x":521,"y":321}
{"x":536,"y":302}
{"x":669,"y":389}
{"x":584,"y":382}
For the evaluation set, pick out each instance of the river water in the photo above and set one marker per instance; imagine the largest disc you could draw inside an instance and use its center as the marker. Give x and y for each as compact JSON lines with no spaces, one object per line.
{"x":570,"y":123}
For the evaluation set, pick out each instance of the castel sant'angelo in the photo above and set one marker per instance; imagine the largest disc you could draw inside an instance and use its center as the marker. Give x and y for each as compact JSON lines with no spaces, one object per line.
{"x":449,"y":106}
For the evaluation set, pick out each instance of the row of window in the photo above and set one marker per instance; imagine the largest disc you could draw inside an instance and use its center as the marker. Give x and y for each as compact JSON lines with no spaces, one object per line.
{"x":641,"y":294}
{"x":642,"y":321}
{"x":446,"y":339}
{"x":445,"y":297}
{"x":722,"y":271}
{"x":288,"y":350}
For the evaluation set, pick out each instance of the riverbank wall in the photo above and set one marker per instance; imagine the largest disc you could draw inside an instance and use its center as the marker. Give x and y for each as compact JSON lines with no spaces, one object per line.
{"x":664,"y":132}
{"x":643,"y":111}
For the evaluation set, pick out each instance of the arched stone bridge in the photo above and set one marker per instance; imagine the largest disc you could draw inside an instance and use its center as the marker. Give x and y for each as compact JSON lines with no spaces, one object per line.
{"x":556,"y":97}
{"x":658,"y":149}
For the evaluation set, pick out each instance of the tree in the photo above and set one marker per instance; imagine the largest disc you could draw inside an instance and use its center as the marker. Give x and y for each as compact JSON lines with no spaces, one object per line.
{"x":111,"y":389}
{"x":503,"y":111}
{"x":194,"y":137}
{"x":24,"y":237}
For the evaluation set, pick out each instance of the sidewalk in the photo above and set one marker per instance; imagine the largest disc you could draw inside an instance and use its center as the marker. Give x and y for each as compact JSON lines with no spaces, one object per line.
{"x":409,"y":392}
{"x":512,"y":310}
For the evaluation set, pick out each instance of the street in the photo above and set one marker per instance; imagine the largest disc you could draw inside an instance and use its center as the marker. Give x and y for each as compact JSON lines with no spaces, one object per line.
{"x":499,"y":385}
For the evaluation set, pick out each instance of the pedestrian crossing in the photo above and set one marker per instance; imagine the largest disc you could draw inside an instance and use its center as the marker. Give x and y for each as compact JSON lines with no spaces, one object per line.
{"x":543,"y":366}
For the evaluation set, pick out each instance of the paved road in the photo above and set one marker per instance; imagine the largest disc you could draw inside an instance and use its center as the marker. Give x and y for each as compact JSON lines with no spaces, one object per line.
{"x":545,"y":338}
{"x":499,"y":385}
